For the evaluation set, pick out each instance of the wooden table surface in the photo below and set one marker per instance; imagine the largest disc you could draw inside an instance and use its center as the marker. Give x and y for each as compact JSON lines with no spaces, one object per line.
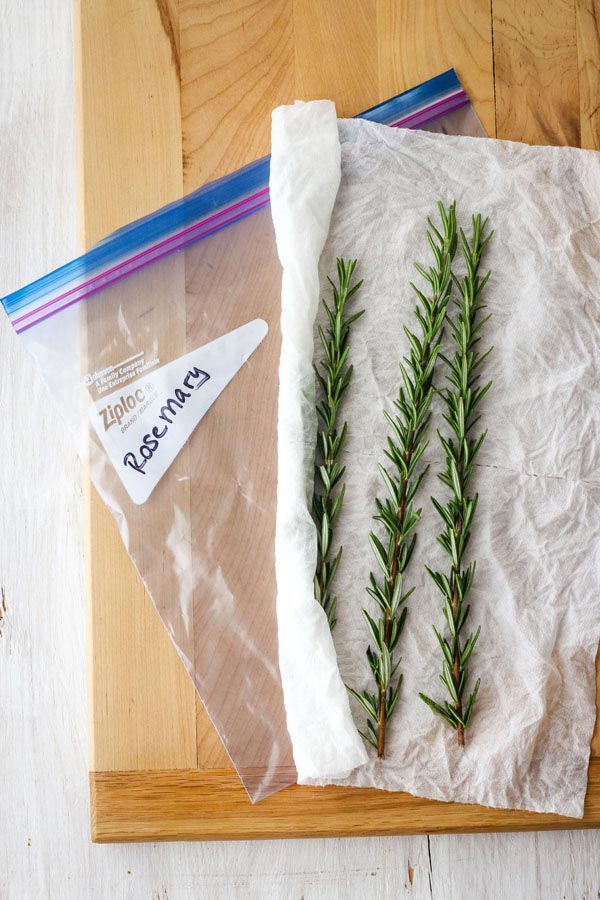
{"x":45,"y":850}
{"x":170,"y":96}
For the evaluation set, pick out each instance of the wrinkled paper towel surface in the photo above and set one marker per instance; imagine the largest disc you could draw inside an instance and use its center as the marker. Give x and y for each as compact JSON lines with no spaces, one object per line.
{"x":537,"y":536}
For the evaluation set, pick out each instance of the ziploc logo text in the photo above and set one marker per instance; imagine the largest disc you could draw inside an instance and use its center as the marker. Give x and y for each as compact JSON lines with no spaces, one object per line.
{"x":114,"y":413}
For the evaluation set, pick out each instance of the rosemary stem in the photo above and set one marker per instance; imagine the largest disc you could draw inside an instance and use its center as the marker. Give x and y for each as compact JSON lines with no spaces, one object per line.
{"x":439,"y":300}
{"x":462,"y":398}
{"x":460,"y":730}
{"x":333,"y":381}
{"x":394,"y":573}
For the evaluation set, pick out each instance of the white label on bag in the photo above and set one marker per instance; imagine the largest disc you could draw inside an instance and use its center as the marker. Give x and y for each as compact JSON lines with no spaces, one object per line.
{"x":143,"y":425}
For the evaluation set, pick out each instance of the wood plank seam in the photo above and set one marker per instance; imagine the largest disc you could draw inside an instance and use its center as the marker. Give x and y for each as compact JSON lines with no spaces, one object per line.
{"x":494,"y":68}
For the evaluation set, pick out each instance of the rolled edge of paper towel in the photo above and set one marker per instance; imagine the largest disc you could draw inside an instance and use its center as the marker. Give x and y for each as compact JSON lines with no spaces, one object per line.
{"x":305,"y":177}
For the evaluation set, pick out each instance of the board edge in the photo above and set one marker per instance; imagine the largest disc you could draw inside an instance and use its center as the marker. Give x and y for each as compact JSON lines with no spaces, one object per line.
{"x":194,"y":805}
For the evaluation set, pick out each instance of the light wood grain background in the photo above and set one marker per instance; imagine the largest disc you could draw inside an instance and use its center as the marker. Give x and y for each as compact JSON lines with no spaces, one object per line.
{"x":44,"y":833}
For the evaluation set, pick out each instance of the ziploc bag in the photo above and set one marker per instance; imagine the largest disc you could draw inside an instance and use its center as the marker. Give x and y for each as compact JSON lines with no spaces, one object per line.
{"x":161,"y":348}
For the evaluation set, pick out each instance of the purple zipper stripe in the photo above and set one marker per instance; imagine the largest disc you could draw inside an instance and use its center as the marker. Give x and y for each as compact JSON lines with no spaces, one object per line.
{"x":141,"y":265}
{"x":451,"y":99}
{"x":452,"y":107}
{"x":149,"y":250}
{"x":124,"y":268}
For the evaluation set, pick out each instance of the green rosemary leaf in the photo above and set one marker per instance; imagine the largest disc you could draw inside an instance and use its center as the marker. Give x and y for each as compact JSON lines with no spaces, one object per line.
{"x":423,"y":272}
{"x":373,"y":627}
{"x":398,"y":627}
{"x":409,"y":387}
{"x":449,"y":685}
{"x":450,"y":619}
{"x":435,"y":249}
{"x":373,"y":660}
{"x":434,"y":229}
{"x":355,"y":316}
{"x":393,"y":698}
{"x":454,"y":552}
{"x":317,"y":589}
{"x":399,"y":431}
{"x":387,"y":517}
{"x":441,"y":582}
{"x":391,"y":486}
{"x":443,"y":512}
{"x":380,"y":553}
{"x":469,"y":511}
{"x":396,"y":596}
{"x":341,"y":362}
{"x":325,"y":477}
{"x":453,"y":714}
{"x":324,"y":536}
{"x":462,"y":616}
{"x":377,"y":592}
{"x":456,"y":479}
{"x":337,"y":503}
{"x":471,"y":702}
{"x":364,"y":701}
{"x":468,"y":648}
{"x":394,"y":670}
{"x":438,"y":709}
{"x":371,"y":737}
{"x":444,"y":645}
{"x":404,"y":598}
{"x":372,"y":732}
{"x":406,"y":552}
{"x":331,"y":610}
{"x":418,"y":452}
{"x":385,"y":666}
{"x":335,"y":474}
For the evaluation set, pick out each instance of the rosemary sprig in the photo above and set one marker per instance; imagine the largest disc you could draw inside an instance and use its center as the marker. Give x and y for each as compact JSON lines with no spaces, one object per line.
{"x":462,"y":399}
{"x":405,"y":447}
{"x":333,"y":382}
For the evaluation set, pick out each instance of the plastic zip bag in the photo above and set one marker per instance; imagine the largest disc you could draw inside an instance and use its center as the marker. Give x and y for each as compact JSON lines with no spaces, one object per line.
{"x":180,"y":317}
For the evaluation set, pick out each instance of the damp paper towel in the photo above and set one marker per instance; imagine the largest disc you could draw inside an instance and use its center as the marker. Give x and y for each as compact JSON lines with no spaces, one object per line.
{"x":361,"y":190}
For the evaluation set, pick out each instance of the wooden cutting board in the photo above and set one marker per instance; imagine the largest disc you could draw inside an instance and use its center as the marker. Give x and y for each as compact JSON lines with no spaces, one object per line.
{"x":174,"y":93}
